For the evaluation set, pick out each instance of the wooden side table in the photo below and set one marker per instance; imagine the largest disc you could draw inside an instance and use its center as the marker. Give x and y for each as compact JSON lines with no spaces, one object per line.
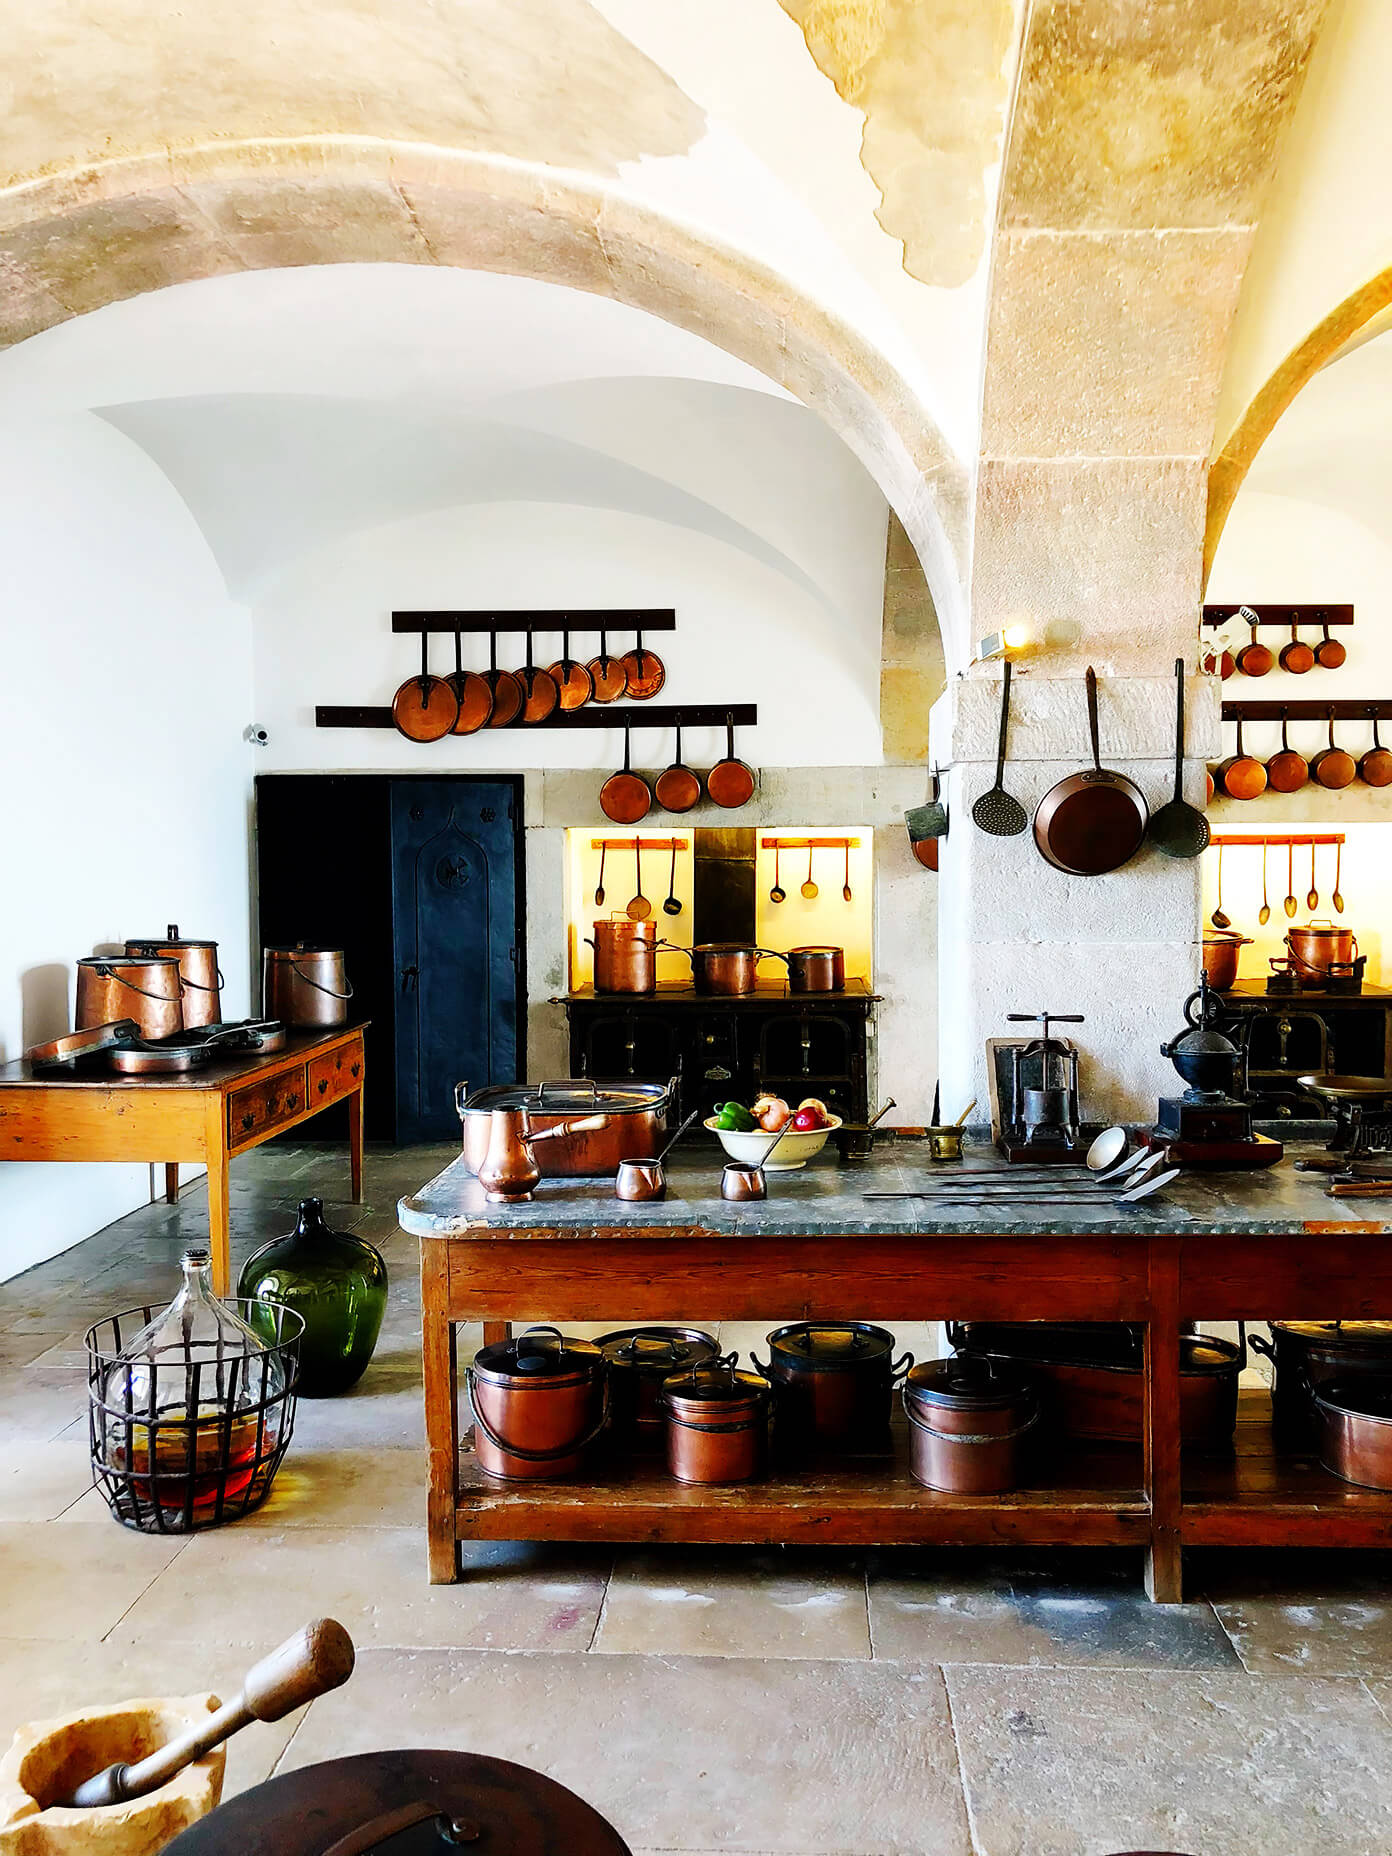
{"x":211,"y":1115}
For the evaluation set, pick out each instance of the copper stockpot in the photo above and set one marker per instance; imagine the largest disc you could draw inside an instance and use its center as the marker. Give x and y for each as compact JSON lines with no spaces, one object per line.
{"x":636,"y":1115}
{"x":833,"y":1382}
{"x":1307,"y":1355}
{"x":198,"y":968}
{"x":538,"y":1400}
{"x":640,"y":1361}
{"x":305,"y":985}
{"x":1355,"y":1418}
{"x":1316,"y":947}
{"x":717,"y":1423}
{"x":147,"y":988}
{"x":816,"y":969}
{"x":968,"y":1417}
{"x":625,"y":955}
{"x":1221,"y":952}
{"x":727,"y":969}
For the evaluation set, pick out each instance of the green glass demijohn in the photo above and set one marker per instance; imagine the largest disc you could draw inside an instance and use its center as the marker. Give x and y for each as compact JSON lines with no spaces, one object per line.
{"x":338,"y":1283}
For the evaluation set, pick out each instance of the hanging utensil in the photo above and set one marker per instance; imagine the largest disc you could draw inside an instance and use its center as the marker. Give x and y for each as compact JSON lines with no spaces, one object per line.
{"x":473,"y":693}
{"x":1296,"y":657}
{"x":644,"y":671}
{"x":599,"y":886}
{"x":846,"y":886}
{"x":997,"y":811}
{"x":1179,"y":829}
{"x":677,"y":787}
{"x":1312,"y":899}
{"x":809,"y":891}
{"x":639,"y":908}
{"x":1337,"y":898}
{"x":672,"y":905}
{"x":1253,"y":660}
{"x":1329,"y":653}
{"x":1218,"y":918}
{"x":540,"y":695}
{"x":1093,"y":822}
{"x":608,"y":678}
{"x":1242,"y":775}
{"x":625,"y":796}
{"x":507,"y":691}
{"x":573,"y":682}
{"x":1290,"y":905}
{"x":730,"y":782}
{"x":1332,"y":767}
{"x":1375,"y":766}
{"x":1264,"y":912}
{"x":928,"y":821}
{"x":425,"y":708}
{"x":777,"y":893}
{"x":1286,"y":771}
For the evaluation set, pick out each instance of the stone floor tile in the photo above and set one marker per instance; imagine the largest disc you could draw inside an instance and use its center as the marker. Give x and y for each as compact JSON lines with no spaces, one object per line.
{"x":36,"y":1407}
{"x":1050,"y":1610}
{"x":1308,"y":1614}
{"x":40,"y":1679}
{"x":1078,"y":1763}
{"x":74,"y":1583}
{"x":242,"y":1583}
{"x":684,"y":1753}
{"x":39,"y":1482}
{"x":385,"y":1409}
{"x":729,"y":1602}
{"x":345,"y":1488}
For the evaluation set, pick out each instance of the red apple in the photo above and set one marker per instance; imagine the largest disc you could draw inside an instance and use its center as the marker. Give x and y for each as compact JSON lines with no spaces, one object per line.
{"x":807,"y":1120}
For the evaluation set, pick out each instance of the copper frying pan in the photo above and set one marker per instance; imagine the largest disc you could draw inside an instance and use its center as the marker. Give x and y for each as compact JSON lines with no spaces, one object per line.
{"x":625,"y":796}
{"x":506,"y":689}
{"x":678,"y":789}
{"x":425,"y":708}
{"x":644,"y":671}
{"x":473,"y":693}
{"x":730,"y":782}
{"x":540,"y":694}
{"x":572,"y":680}
{"x":1286,"y":771}
{"x":608,"y":676}
{"x":1093,"y":821}
{"x":1375,"y":766}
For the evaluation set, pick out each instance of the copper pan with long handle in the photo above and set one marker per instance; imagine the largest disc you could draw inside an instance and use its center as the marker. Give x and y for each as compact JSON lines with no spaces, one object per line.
{"x":730,"y":782}
{"x":625,"y":796}
{"x":425,"y":708}
{"x":1094,"y":821}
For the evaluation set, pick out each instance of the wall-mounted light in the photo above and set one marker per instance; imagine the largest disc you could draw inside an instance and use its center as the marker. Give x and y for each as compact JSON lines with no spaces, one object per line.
{"x":1011,"y":641}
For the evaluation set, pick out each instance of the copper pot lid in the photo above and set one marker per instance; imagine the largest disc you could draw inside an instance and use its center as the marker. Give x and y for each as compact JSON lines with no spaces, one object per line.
{"x":1357,"y":1398}
{"x":563,"y":1098}
{"x":1321,"y":931}
{"x":718,"y":1383}
{"x":100,"y":962}
{"x":541,"y":1353}
{"x":301,"y":950}
{"x":1371,"y":1337}
{"x":816,"y":950}
{"x":831,"y":1346}
{"x":966,"y":1382}
{"x":170,"y":939}
{"x":657,"y":1352}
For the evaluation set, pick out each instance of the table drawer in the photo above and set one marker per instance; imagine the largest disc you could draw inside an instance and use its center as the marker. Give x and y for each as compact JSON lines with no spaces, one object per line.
{"x":337,"y":1073}
{"x":265,"y":1105}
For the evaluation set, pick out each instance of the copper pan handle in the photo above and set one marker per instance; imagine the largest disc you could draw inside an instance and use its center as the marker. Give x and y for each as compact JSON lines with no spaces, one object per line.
{"x":590,"y":1125}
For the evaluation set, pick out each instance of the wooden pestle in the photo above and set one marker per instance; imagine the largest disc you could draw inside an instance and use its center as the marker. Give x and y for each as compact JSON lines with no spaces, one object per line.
{"x":313,"y":1661}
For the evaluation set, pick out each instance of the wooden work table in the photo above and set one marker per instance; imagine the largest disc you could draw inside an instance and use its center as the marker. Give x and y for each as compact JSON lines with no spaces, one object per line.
{"x":1215,"y":1248}
{"x":210,"y":1114}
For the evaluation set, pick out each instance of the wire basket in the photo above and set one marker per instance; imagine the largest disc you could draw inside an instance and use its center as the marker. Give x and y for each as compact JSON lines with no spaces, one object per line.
{"x":194,"y":1439}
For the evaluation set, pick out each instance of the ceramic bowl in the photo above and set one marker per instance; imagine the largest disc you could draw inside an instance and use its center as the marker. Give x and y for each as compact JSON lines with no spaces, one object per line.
{"x":794,"y":1151}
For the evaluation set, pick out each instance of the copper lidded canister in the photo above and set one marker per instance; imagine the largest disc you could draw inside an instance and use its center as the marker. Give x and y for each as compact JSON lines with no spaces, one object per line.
{"x":833,"y":1382}
{"x":305,"y":985}
{"x":198,"y":967}
{"x":717,"y":1423}
{"x":142,"y":987}
{"x":538,"y":1400}
{"x":1318,"y":946}
{"x":1356,"y":1430}
{"x":640,"y":1361}
{"x":968,"y":1418}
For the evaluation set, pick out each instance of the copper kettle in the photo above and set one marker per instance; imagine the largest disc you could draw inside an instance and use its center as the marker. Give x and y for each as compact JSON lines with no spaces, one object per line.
{"x":509,"y":1172}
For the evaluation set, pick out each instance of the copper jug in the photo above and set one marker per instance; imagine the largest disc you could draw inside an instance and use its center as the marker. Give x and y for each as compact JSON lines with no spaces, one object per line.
{"x":509,"y":1172}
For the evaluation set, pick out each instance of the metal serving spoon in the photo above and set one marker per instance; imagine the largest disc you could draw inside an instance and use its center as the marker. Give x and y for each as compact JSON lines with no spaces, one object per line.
{"x":1264,"y":912}
{"x":1218,"y":918}
{"x":599,"y":887}
{"x":777,"y":893}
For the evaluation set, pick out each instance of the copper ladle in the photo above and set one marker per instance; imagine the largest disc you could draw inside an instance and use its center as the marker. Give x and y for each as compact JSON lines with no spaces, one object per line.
{"x":639,"y":908}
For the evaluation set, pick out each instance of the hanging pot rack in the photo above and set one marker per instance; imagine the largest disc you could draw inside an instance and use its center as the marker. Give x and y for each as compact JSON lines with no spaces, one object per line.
{"x":1284,"y":616}
{"x":639,"y":844}
{"x":809,"y":844}
{"x":607,"y":715}
{"x":1346,"y":711}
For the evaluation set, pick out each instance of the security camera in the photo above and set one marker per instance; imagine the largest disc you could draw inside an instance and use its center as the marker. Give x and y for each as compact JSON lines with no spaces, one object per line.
{"x":255,"y":734}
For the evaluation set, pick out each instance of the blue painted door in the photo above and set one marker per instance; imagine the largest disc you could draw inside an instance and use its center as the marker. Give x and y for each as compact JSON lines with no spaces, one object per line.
{"x":458,"y":959}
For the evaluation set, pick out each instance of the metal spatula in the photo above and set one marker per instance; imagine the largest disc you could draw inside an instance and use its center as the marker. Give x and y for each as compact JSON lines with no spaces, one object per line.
{"x":997,"y":811}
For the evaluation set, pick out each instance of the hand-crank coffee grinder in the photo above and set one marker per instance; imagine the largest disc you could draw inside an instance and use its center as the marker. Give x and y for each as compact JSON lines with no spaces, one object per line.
{"x":1208,"y":1126}
{"x":1043,"y":1122}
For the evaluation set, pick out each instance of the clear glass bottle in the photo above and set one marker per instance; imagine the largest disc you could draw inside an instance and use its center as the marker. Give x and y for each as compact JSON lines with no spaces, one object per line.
{"x":194,"y":1407}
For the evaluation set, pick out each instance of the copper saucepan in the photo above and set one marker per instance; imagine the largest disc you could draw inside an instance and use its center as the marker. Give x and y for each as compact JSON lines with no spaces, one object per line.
{"x":644,"y":672}
{"x":472,"y":691}
{"x":730,"y":782}
{"x":571,"y":678}
{"x":1242,"y":775}
{"x":678,"y":787}
{"x":727,"y":968}
{"x":425,"y":708}
{"x":608,"y":678}
{"x":1332,"y":767}
{"x":541,"y":695}
{"x":816,"y":969}
{"x":504,"y":687}
{"x":625,"y":796}
{"x":1286,"y":771}
{"x":1375,"y":765}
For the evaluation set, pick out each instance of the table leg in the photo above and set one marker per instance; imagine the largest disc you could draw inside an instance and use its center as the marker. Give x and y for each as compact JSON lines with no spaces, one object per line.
{"x":219,"y":1238}
{"x":355,"y":1142}
{"x":496,"y":1332}
{"x":1164,"y":1557}
{"x":171,"y":1182}
{"x":441,"y":1415}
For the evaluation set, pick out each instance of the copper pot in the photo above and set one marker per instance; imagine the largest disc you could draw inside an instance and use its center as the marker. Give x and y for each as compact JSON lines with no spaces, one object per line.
{"x":1356,"y":1430}
{"x":1317,"y":947}
{"x":640,"y":1361}
{"x":816,"y":969}
{"x":538,"y":1400}
{"x":625,"y":955}
{"x":717,"y":1423}
{"x":727,"y":968}
{"x":968,"y":1417}
{"x":1306,"y":1355}
{"x":510,"y":1172}
{"x":1221,"y":951}
{"x":305,"y":985}
{"x":147,"y":988}
{"x":833,"y":1382}
{"x":198,"y":969}
{"x":635,"y":1117}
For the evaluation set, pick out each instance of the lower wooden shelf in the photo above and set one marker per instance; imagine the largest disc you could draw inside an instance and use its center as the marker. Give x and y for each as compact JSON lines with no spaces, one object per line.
{"x":1093,"y":1499}
{"x":1259,"y":1497}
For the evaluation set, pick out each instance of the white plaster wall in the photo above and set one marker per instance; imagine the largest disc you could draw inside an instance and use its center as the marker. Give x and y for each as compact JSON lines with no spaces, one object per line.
{"x":126,"y":687}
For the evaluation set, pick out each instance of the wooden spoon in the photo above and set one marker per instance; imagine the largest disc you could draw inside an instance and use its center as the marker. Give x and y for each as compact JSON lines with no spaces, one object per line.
{"x":1290,"y":905}
{"x":1218,"y":918}
{"x":1312,"y":899}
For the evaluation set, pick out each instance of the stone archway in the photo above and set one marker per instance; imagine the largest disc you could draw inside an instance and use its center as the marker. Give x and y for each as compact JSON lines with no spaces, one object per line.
{"x":1335,"y":331}
{"x":74,"y":242}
